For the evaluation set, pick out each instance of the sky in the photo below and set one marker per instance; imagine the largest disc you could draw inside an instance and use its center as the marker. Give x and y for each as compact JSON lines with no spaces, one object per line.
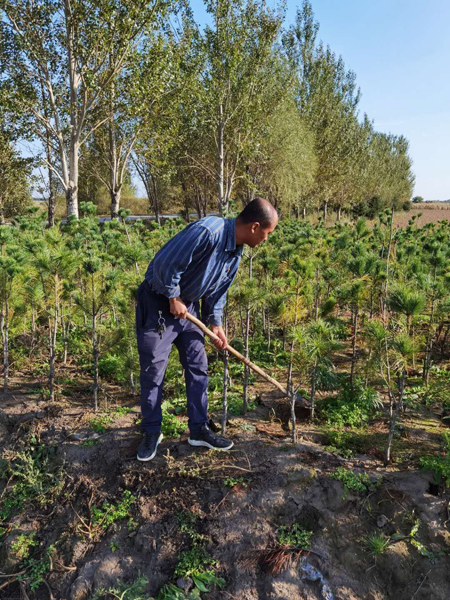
{"x":400,"y":52}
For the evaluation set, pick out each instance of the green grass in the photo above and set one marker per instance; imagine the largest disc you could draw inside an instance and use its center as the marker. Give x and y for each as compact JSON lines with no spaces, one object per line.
{"x":377,"y":543}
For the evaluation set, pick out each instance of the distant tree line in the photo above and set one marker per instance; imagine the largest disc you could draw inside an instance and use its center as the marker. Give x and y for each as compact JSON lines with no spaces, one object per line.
{"x":245,"y":105}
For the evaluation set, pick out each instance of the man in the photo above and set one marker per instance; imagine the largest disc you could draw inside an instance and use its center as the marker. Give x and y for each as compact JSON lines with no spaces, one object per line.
{"x":200,"y":262}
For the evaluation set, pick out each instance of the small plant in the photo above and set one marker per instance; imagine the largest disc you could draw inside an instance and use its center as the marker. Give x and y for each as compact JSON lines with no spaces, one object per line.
{"x":171,"y":425}
{"x":109,"y":513}
{"x":439,"y":465}
{"x":99,"y":424}
{"x":34,"y":474}
{"x":90,"y":443}
{"x":120,"y":411}
{"x":232,"y":481}
{"x":377,"y":543}
{"x":295,"y":537}
{"x":352,"y":481}
{"x":114,"y":546}
{"x":196,"y":563}
{"x":188,"y":522}
{"x":37,"y":569}
{"x":124,"y":591}
{"x":23,"y":544}
{"x":345,"y":453}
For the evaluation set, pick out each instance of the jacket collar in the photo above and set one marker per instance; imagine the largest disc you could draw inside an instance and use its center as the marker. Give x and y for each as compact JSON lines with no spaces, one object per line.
{"x":230,"y":246}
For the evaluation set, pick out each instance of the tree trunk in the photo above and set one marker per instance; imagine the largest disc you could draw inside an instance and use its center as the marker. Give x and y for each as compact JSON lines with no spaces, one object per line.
{"x":4,"y":323}
{"x":220,"y":158}
{"x":394,"y":418}
{"x":74,"y":82}
{"x":386,"y":286}
{"x":338,"y":214}
{"x":115,"y":195}
{"x":316,"y":298}
{"x":52,"y":333}
{"x":325,"y":211}
{"x":355,"y":330}
{"x":313,"y":393}
{"x":95,"y":354}
{"x":225,"y":378}
{"x":246,"y":344}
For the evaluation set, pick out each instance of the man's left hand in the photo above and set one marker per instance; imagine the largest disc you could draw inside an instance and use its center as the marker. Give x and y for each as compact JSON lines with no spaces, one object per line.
{"x":221,"y":343}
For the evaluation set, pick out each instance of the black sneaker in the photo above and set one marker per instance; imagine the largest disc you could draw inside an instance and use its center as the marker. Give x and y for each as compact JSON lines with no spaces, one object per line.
{"x":147,"y":448}
{"x":205,"y":437}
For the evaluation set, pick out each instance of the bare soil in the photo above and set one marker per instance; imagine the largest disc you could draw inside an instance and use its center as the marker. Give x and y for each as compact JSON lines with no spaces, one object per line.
{"x":281,"y":484}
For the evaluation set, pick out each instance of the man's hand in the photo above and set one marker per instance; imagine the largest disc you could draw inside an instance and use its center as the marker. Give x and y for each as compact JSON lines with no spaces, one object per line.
{"x":178,"y":308}
{"x":221,"y":343}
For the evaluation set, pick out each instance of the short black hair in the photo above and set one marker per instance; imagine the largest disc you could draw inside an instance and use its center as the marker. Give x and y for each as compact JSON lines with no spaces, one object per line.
{"x":259,"y":211}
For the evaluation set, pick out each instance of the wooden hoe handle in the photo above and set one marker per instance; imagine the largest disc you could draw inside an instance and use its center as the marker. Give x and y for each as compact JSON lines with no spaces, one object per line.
{"x":237,"y":354}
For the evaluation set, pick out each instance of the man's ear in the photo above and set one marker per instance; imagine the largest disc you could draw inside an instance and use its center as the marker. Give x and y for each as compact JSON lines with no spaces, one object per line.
{"x":255,"y":227}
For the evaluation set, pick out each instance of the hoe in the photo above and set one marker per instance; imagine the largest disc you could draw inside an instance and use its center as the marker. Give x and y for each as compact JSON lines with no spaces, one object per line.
{"x":293,"y":396}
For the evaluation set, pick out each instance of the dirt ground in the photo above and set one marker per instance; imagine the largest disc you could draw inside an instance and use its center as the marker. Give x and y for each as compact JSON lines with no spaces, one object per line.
{"x":275,"y":484}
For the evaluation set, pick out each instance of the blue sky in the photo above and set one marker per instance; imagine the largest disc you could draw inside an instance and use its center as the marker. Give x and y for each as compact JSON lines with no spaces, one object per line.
{"x":400,"y":52}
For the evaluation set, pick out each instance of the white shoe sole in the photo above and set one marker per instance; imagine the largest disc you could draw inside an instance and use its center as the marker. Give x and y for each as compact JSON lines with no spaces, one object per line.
{"x":154,"y":453}
{"x":206,"y":445}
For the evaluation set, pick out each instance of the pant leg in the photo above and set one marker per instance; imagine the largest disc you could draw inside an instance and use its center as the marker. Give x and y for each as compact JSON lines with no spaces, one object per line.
{"x":154,"y":353}
{"x":191,"y":348}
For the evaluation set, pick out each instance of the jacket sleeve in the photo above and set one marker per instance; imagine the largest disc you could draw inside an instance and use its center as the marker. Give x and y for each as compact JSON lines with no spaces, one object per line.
{"x":173,"y":259}
{"x":214,"y":304}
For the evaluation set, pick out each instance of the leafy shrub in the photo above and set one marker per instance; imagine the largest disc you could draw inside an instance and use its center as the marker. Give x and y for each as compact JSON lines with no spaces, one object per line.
{"x":112,"y":367}
{"x":353,"y":406}
{"x":439,"y":465}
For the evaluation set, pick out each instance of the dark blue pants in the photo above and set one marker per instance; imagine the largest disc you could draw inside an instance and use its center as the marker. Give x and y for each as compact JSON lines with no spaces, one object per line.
{"x":154,"y":353}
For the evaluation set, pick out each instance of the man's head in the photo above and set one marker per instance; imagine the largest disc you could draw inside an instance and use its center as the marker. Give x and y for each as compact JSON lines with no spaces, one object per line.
{"x":255,"y":222}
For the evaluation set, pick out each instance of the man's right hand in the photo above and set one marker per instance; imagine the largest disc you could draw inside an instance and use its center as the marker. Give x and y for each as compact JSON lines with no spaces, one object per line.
{"x":178,"y":308}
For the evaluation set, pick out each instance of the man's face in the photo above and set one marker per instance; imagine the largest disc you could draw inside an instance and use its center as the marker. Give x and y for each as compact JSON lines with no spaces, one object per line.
{"x":260,"y":234}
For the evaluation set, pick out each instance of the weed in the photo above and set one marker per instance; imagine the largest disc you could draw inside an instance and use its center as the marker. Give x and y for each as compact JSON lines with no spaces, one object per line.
{"x":90,"y":443}
{"x":439,"y":465}
{"x":104,"y":516}
{"x":295,"y":537}
{"x":352,"y":481}
{"x":120,"y":411}
{"x":353,"y":406}
{"x":99,"y":424}
{"x":196,"y":563}
{"x":232,"y":481}
{"x":171,"y":425}
{"x":422,"y":549}
{"x":124,"y":591}
{"x":37,"y":569}
{"x":377,"y":543}
{"x":23,"y":544}
{"x":35,"y":476}
{"x":345,"y":453}
{"x":132,"y":525}
{"x":285,"y":448}
{"x":188,"y":522}
{"x":114,"y":546}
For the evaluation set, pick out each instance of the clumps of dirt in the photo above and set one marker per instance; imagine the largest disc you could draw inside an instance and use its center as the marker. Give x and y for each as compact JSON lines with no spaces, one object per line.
{"x":235,"y":503}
